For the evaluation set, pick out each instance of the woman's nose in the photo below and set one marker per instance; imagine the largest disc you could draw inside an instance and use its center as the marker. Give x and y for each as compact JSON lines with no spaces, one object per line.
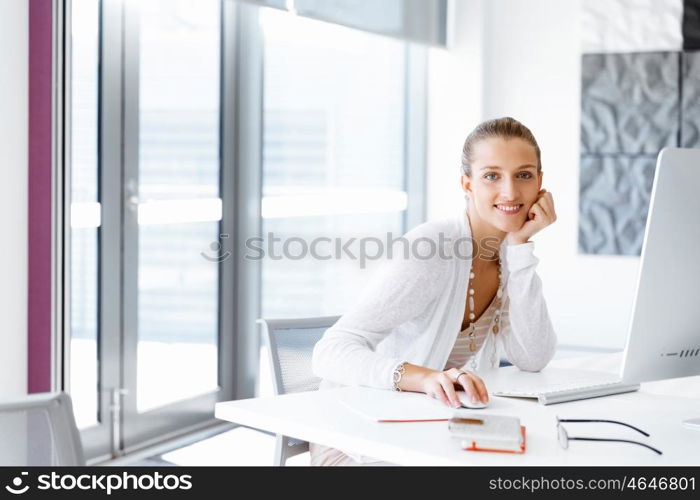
{"x":509,"y":190}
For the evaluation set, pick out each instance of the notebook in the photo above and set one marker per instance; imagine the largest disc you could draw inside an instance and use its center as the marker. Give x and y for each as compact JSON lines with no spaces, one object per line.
{"x":487,"y":432}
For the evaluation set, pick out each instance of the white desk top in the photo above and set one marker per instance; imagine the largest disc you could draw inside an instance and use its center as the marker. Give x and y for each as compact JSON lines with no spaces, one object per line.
{"x":319,"y":417}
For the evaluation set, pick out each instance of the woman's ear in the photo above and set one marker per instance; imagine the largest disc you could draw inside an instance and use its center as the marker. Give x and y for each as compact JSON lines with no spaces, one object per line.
{"x":466,"y":184}
{"x":540,"y":181}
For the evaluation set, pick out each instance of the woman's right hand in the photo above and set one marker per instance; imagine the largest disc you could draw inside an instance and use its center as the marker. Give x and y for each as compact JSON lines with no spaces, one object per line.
{"x":441,"y":385}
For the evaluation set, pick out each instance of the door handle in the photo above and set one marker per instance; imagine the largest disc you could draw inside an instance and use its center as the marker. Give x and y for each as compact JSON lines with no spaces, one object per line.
{"x":116,"y":410}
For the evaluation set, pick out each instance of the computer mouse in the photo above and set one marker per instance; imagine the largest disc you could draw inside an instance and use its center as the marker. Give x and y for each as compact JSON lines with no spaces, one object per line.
{"x":468,"y":403}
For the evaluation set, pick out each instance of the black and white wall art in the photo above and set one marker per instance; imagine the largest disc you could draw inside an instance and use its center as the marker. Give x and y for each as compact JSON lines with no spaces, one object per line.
{"x":640,"y":90}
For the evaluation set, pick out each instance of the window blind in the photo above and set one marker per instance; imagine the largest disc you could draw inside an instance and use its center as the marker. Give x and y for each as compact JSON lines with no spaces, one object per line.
{"x":421,"y":21}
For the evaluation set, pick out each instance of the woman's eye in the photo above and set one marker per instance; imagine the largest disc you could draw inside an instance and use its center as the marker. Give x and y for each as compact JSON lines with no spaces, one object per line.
{"x":492,"y":176}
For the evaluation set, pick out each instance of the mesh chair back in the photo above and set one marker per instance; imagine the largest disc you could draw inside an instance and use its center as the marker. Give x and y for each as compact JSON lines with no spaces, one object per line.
{"x":39,"y":430}
{"x":290,"y":343}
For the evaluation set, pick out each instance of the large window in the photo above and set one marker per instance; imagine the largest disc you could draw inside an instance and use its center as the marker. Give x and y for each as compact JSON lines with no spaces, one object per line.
{"x":179,"y":206}
{"x":334,"y":161}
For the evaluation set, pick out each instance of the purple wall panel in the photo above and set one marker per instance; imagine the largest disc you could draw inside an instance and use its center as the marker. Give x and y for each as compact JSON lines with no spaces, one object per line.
{"x":39,"y":197}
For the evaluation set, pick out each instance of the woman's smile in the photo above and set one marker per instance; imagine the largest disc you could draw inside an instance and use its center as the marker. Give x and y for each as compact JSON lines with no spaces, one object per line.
{"x":509,"y":208}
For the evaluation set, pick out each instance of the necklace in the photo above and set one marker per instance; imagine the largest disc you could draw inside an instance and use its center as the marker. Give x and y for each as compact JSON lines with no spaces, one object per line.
{"x":472,"y":315}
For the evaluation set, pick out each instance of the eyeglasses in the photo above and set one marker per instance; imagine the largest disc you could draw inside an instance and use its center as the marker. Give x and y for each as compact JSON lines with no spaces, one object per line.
{"x":564,"y":437}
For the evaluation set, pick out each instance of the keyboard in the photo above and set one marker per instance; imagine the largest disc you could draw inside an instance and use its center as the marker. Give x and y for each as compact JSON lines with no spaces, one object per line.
{"x":555,"y":385}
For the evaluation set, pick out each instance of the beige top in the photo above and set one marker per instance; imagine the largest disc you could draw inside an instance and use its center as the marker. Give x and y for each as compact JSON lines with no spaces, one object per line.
{"x":462,"y":350}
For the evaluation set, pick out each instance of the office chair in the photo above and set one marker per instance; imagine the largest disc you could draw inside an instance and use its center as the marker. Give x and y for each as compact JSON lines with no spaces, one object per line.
{"x":290,"y":344}
{"x":39,"y":430}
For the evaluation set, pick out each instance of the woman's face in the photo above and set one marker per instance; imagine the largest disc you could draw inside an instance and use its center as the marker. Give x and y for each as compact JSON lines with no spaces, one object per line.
{"x":504,"y":183}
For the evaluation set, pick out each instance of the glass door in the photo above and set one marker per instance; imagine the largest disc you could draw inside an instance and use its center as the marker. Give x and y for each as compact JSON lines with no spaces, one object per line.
{"x":172,"y":215}
{"x":148,"y":356}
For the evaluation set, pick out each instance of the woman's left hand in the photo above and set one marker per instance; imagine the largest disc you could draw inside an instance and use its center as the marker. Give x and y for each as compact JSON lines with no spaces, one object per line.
{"x":540,"y":215}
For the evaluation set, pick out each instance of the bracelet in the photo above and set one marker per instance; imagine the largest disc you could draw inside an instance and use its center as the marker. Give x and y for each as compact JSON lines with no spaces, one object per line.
{"x":396,"y":376}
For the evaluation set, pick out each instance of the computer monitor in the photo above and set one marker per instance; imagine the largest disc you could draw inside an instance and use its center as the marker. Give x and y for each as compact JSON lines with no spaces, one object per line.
{"x":663,"y":340}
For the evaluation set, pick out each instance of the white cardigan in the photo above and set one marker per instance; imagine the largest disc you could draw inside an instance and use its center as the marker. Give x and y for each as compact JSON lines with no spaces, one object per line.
{"x":412,"y":310}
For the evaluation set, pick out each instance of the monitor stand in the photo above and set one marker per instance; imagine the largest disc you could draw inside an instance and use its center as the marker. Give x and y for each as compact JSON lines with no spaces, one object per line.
{"x":692,"y":423}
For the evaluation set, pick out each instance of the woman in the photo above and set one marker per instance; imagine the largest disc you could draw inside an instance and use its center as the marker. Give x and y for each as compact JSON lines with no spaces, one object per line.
{"x":467,"y":287}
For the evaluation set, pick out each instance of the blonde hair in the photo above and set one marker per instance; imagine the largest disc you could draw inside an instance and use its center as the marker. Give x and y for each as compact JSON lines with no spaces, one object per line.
{"x":505,"y":128}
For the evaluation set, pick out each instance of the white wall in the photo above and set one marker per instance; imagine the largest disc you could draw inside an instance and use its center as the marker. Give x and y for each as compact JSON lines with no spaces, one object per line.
{"x":13,"y":197}
{"x":527,"y":63}
{"x":455,"y":83}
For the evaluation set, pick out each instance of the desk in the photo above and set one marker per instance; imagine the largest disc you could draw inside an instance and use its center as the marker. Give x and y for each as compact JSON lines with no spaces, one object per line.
{"x":657,"y":408}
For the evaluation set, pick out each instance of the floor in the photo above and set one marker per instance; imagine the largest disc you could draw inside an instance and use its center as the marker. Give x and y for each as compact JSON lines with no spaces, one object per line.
{"x":239,"y":446}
